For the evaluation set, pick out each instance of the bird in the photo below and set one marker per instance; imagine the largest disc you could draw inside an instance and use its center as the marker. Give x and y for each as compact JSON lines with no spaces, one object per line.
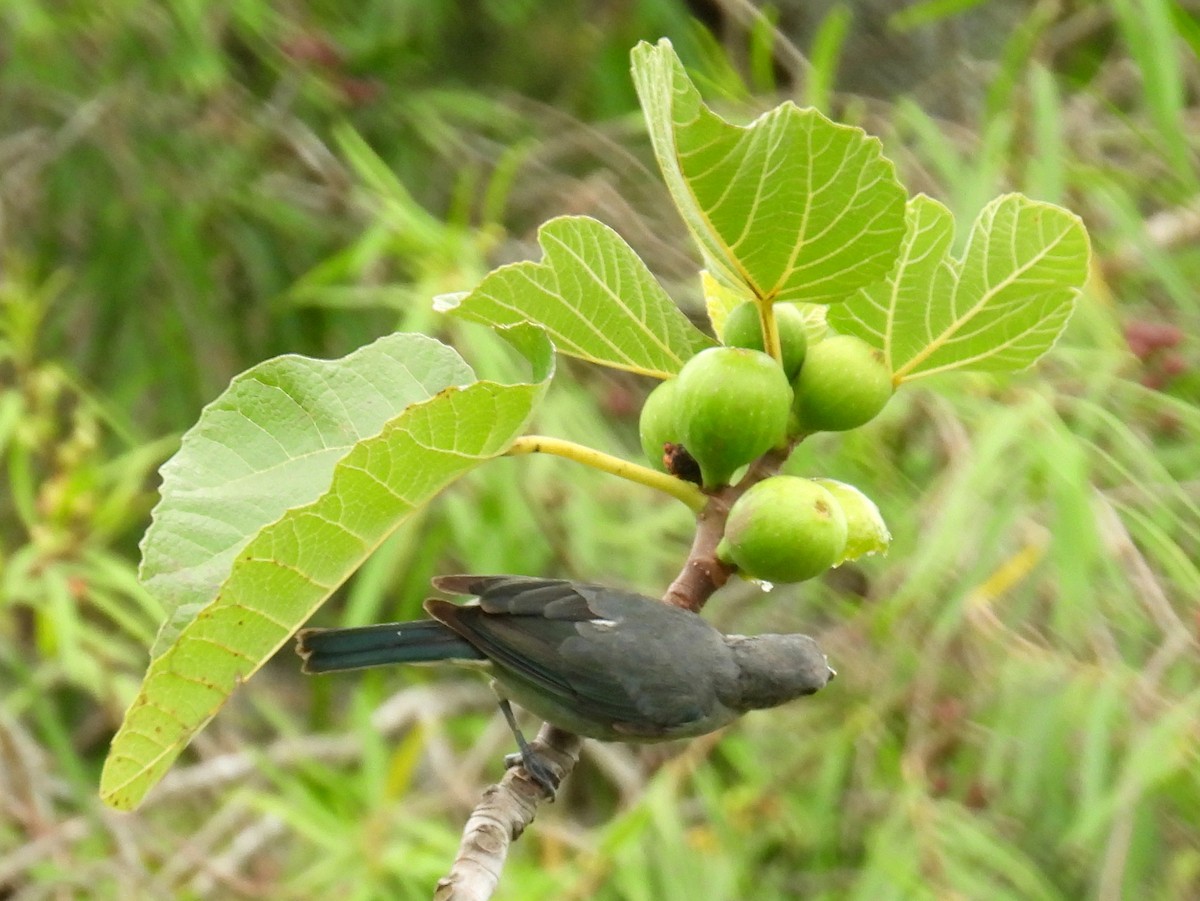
{"x":600,"y":662}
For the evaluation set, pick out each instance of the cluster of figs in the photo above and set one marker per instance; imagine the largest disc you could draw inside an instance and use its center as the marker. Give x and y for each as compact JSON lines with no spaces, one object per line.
{"x":730,"y":405}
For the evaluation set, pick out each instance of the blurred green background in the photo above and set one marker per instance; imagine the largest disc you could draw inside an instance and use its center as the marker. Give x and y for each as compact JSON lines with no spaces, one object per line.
{"x":188,"y":188}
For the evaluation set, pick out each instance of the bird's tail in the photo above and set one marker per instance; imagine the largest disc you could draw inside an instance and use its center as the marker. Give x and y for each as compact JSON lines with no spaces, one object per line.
{"x":422,"y":641}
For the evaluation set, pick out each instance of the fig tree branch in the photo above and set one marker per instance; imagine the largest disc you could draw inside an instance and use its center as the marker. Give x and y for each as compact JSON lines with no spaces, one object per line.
{"x":703,"y":572}
{"x":503,"y":813}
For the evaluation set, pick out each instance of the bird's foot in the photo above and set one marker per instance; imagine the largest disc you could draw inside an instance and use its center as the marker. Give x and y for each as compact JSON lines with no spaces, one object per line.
{"x":538,"y":769}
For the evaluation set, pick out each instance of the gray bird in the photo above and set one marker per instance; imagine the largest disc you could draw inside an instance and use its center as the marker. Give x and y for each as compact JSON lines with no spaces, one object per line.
{"x":596,"y":661}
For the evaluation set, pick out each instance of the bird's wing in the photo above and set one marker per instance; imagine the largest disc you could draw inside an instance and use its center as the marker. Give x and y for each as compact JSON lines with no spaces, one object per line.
{"x":555,"y":599}
{"x":550,"y":634}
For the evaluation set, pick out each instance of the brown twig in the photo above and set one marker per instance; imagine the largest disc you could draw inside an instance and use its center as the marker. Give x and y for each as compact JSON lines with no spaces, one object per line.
{"x":703,"y":572}
{"x":503,"y":813}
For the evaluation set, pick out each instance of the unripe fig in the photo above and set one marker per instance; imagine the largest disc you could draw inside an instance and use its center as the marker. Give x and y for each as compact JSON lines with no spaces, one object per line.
{"x":731,"y":406}
{"x":784,"y":529}
{"x":658,"y":424}
{"x":743,"y":329}
{"x":866,"y":532}
{"x":842,"y":384}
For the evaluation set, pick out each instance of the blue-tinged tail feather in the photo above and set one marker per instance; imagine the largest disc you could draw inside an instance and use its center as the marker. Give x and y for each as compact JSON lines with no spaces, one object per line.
{"x":422,"y":641}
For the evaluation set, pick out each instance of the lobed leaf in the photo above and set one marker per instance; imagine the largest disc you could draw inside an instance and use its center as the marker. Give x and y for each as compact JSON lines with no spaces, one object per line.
{"x":286,"y":568}
{"x":792,"y":207}
{"x":594,"y":297}
{"x":998,"y":308}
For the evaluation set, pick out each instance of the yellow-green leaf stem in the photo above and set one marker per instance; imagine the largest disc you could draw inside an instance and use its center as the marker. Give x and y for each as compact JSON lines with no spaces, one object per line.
{"x":643,"y":475}
{"x":770,"y":331}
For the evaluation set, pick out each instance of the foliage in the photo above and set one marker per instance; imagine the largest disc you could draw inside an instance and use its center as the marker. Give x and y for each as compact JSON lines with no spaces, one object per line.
{"x":1014,"y":715}
{"x":933,"y":313}
{"x":241,"y":552}
{"x":593,"y":296}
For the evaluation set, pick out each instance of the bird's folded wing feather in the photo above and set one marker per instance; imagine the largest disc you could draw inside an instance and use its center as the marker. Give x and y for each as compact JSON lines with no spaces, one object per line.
{"x":522,"y":596}
{"x":535,"y":629}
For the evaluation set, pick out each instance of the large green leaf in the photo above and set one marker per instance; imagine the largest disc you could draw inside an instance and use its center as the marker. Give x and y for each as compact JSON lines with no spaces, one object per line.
{"x":280,"y":571}
{"x":267,"y":444}
{"x":999,"y":308}
{"x":792,"y":207}
{"x":593,"y":295}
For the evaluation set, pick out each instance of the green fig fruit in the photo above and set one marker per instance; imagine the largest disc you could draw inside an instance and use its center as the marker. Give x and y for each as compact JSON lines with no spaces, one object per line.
{"x":843,"y":384}
{"x":658,"y":424}
{"x":784,"y":529}
{"x":866,"y":532}
{"x":743,"y":329}
{"x":731,"y":406}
